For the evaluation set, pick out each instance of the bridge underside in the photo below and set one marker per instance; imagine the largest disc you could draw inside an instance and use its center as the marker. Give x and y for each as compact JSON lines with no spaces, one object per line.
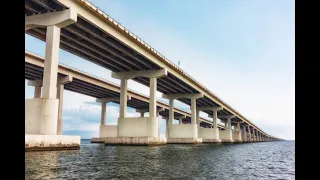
{"x":88,"y":33}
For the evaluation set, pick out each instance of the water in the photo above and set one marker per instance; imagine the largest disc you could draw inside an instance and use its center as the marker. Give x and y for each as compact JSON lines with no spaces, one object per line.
{"x":264,"y":160}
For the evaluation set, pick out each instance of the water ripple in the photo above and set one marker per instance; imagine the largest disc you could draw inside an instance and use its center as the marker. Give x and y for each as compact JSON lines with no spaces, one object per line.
{"x":268,"y":160}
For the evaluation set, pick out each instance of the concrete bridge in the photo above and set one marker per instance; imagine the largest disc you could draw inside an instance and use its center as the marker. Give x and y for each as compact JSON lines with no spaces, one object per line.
{"x":81,"y":29}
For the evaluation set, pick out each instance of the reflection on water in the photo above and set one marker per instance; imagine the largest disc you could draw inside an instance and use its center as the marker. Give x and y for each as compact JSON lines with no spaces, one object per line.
{"x":265,"y":160}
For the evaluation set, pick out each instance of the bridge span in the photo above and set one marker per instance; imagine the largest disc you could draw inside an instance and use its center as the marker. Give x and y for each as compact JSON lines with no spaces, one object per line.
{"x":82,"y":29}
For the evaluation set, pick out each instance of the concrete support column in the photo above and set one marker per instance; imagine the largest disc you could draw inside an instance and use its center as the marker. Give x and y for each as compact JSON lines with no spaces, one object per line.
{"x":239,"y":131}
{"x":198,"y":118}
{"x":193,"y":111}
{"x":37,"y":92}
{"x":229,"y":127}
{"x":167,"y":128}
{"x":51,"y":62}
{"x":180,"y":120}
{"x":61,"y":81}
{"x":225,"y":125}
{"x":171,"y":112}
{"x":49,"y":125}
{"x":153,"y":122}
{"x":103,"y":113}
{"x":142,"y":114}
{"x":123,"y":98}
{"x":244,"y":133}
{"x":194,"y":116}
{"x":254,"y":135}
{"x":238,"y":126}
{"x":249,"y":134}
{"x":214,"y":119}
{"x":153,"y":100}
{"x":123,"y":103}
{"x":60,"y":97}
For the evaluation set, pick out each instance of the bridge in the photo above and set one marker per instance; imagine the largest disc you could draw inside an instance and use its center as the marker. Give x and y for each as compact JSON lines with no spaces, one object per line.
{"x":80,"y":28}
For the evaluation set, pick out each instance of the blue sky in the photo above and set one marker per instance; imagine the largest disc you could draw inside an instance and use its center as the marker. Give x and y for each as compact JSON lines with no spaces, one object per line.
{"x":243,"y":51}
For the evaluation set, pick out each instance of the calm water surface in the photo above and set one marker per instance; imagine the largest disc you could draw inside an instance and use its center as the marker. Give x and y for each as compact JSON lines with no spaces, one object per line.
{"x":264,"y":160}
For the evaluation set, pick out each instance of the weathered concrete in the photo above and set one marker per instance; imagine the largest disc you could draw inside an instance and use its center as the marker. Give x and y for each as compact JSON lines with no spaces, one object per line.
{"x":108,"y":131}
{"x":138,"y":127}
{"x":98,"y":140}
{"x":51,"y":142}
{"x":184,"y":140}
{"x":225,"y":136}
{"x":182,"y":131}
{"x":41,"y":116}
{"x":209,"y":134}
{"x":133,"y":141}
{"x":37,"y":87}
{"x":236,"y":136}
{"x":61,"y":82}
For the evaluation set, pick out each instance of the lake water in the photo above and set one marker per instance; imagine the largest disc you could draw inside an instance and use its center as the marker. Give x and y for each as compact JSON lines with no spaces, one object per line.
{"x":263,"y":160}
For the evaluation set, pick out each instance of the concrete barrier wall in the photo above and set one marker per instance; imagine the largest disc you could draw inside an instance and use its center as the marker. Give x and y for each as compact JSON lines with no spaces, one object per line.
{"x":108,"y":131}
{"x":208,"y":133}
{"x":182,"y":130}
{"x":138,"y":127}
{"x":236,"y":136}
{"x":41,"y":116}
{"x":224,"y":135}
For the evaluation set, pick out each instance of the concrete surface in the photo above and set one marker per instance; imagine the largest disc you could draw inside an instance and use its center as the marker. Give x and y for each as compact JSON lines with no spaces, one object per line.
{"x":51,"y":142}
{"x":108,"y":131}
{"x":133,"y":141}
{"x":184,"y":140}
{"x":41,"y":116}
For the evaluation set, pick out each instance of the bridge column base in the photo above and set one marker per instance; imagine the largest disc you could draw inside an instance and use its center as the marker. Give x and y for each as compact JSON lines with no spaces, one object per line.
{"x":184,"y":140}
{"x":211,"y":140}
{"x":227,"y":140}
{"x":134,"y":141}
{"x":51,"y":142}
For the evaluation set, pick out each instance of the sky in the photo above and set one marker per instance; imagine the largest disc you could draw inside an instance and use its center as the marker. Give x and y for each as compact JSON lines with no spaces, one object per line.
{"x":243,"y":51}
